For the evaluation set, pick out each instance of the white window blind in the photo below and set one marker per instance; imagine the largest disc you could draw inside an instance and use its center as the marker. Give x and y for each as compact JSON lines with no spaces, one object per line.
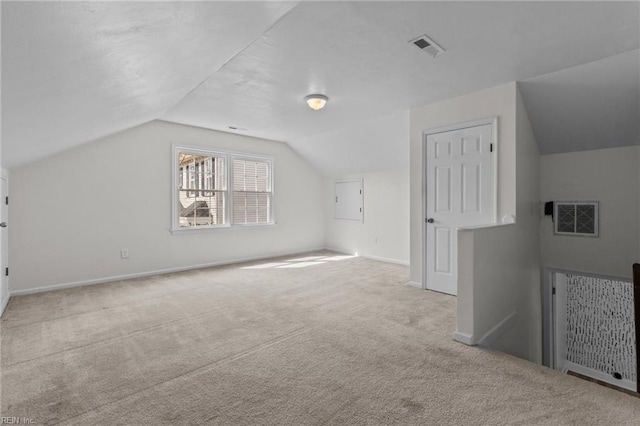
{"x":251,"y":191}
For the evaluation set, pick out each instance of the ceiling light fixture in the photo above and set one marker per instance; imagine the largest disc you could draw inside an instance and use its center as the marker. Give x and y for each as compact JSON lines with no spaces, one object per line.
{"x":316,"y":102}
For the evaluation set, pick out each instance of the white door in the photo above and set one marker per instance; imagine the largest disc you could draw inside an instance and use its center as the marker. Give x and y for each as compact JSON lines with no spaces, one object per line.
{"x":460,"y":192}
{"x":4,"y":240}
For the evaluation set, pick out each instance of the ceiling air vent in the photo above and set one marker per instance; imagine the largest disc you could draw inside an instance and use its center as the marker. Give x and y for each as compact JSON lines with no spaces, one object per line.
{"x":427,"y":45}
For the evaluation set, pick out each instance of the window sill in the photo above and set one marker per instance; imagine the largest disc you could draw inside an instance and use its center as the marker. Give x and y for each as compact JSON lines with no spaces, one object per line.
{"x":221,"y":228}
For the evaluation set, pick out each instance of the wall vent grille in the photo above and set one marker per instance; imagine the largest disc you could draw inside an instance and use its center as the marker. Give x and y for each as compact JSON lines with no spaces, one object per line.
{"x":576,"y":218}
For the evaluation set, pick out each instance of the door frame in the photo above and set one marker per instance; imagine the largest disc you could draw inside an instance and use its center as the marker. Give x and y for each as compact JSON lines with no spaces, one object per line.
{"x":4,"y":299}
{"x":493,"y":121}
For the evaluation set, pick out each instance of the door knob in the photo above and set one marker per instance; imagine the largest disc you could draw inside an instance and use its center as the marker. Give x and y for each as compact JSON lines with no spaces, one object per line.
{"x":3,"y":224}
{"x":430,"y":220}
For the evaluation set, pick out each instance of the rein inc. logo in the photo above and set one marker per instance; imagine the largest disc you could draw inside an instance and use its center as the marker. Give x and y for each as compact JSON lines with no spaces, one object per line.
{"x":16,"y":421}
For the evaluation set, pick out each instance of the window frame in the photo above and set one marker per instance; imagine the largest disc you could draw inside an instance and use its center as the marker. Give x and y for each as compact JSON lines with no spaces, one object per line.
{"x":229,"y":157}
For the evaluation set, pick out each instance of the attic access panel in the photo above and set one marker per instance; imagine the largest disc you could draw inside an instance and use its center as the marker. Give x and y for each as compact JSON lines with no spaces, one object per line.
{"x":576,"y":218}
{"x":349,"y":200}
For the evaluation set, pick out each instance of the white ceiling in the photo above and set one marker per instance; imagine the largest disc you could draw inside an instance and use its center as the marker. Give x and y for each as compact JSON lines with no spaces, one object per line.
{"x":584,"y":107}
{"x":375,"y":144}
{"x":76,"y":71}
{"x":72,"y":72}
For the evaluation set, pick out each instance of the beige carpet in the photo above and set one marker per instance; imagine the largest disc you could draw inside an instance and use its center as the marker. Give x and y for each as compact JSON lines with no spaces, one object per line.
{"x":327,"y":340}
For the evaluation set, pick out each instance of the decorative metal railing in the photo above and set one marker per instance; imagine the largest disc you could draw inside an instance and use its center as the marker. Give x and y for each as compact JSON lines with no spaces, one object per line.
{"x":595,"y":331}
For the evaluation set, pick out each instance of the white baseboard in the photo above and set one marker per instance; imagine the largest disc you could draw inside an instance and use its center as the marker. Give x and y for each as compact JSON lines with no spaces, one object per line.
{"x":467,"y":339}
{"x":105,"y":280}
{"x":385,"y":259}
{"x":603,"y":377}
{"x":415,"y":284}
{"x":368,"y":256}
{"x":491,"y":336}
{"x":5,"y":302}
{"x":337,"y":250}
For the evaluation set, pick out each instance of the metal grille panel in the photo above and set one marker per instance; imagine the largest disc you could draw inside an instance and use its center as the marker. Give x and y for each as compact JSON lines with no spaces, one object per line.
{"x":600,"y":325}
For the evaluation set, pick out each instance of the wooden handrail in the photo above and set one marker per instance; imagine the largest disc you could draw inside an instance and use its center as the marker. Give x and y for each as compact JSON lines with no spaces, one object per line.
{"x":636,"y":304}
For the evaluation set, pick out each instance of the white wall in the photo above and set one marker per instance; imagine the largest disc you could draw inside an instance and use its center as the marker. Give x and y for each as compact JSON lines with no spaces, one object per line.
{"x":384,"y":233}
{"x":498,"y":101}
{"x":498,"y":278}
{"x":523,"y":245}
{"x":610,"y":176}
{"x":73,"y":212}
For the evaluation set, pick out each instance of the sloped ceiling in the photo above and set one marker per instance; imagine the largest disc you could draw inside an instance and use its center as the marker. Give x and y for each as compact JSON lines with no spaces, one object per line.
{"x":379,"y":143}
{"x":72,"y":72}
{"x":76,"y":71}
{"x":592,"y":106}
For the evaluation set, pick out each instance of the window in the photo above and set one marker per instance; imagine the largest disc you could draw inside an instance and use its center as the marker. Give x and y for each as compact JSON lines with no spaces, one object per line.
{"x":251,"y":191}
{"x":576,"y":218}
{"x":221,"y":189}
{"x":202,"y":194}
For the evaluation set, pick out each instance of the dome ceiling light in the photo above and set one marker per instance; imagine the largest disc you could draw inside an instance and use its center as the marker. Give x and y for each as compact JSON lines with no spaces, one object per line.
{"x":316,"y":102}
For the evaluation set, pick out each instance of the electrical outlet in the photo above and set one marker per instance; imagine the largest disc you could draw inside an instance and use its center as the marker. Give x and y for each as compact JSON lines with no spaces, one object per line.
{"x":124,"y":253}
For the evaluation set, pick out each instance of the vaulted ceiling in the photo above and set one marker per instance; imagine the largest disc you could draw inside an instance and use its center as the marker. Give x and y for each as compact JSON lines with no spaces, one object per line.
{"x":75,"y":71}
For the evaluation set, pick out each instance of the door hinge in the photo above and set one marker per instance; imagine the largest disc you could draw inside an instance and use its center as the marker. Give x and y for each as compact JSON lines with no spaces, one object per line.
{"x":361,"y":192}
{"x":6,"y":271}
{"x":6,"y":200}
{"x":360,"y":209}
{"x":490,"y":147}
{"x":553,"y":290}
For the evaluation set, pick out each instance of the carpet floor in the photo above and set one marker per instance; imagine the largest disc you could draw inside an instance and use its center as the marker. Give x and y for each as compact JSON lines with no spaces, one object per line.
{"x":318,"y":339}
